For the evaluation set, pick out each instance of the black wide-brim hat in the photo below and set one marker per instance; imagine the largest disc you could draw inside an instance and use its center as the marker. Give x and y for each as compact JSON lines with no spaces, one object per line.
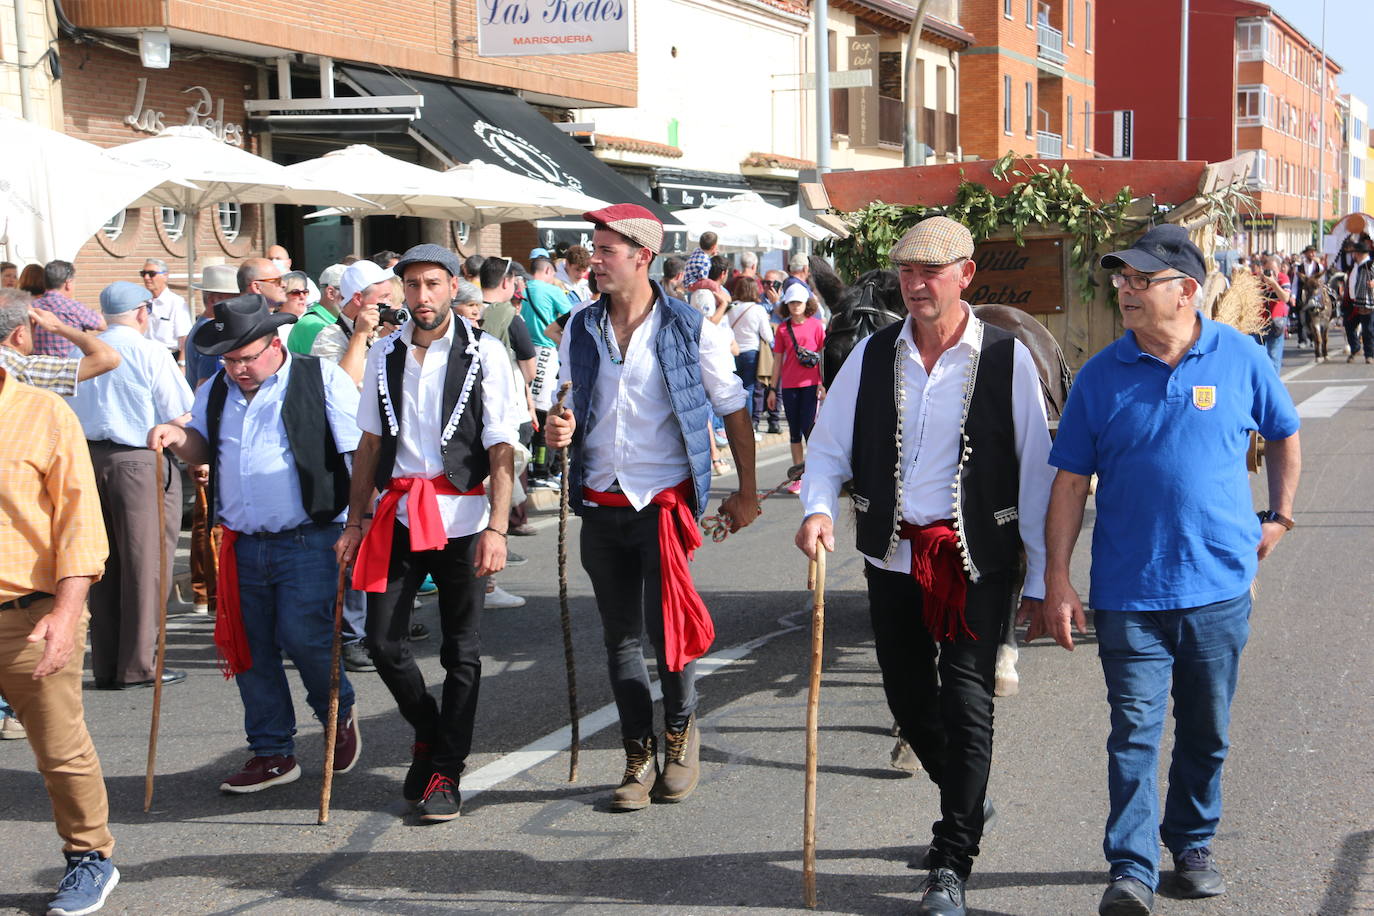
{"x":238,"y":322}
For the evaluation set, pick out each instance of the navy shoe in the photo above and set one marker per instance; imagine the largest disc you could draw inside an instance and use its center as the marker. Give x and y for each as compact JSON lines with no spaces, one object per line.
{"x":1196,"y":874}
{"x":1126,"y":897}
{"x":90,"y":878}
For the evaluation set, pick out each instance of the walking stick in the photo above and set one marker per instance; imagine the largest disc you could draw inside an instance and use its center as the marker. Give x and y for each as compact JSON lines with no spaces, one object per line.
{"x":564,"y":615}
{"x":815,"y":580}
{"x":331,"y":722}
{"x":159,"y":459}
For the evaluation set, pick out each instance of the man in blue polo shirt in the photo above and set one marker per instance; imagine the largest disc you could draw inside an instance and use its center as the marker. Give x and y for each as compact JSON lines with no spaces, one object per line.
{"x":1162,"y":417}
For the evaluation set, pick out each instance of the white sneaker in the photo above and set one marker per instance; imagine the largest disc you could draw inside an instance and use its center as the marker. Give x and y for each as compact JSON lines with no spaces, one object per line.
{"x":498,"y":597}
{"x":203,"y":609}
{"x":11,"y":730}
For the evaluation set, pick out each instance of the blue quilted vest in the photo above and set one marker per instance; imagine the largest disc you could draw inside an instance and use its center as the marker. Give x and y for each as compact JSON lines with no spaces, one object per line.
{"x":679,"y":358}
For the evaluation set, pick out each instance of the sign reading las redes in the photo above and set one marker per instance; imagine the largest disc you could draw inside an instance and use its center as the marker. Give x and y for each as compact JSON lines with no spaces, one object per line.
{"x":1030,"y":278}
{"x":512,"y":28}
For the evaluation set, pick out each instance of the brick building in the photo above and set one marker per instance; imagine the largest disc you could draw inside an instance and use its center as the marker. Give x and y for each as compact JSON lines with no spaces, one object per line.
{"x":1027,"y":84}
{"x":293,"y":81}
{"x":1254,"y":84}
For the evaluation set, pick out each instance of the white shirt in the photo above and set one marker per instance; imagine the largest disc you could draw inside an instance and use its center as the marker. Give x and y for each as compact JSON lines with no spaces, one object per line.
{"x":145,"y":389}
{"x":332,"y":341}
{"x":422,"y":423}
{"x":632,"y":435}
{"x":749,"y":321}
{"x":169,"y":319}
{"x":930,"y":444}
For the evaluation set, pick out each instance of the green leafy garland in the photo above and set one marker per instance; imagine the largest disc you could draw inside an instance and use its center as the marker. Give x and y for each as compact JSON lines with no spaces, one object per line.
{"x":1048,"y":197}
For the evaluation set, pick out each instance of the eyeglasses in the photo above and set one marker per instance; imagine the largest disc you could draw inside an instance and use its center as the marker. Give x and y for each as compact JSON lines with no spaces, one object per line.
{"x":276,"y":280}
{"x":1140,"y":282}
{"x":150,"y":273}
{"x":232,"y":362}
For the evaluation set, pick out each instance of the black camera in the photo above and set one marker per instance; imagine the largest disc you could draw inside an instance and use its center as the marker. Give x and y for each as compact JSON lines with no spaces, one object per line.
{"x":393,"y":316}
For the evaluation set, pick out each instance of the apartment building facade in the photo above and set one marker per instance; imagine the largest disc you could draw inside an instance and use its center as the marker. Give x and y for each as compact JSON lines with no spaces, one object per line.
{"x":1028,"y":83}
{"x":1354,"y":118}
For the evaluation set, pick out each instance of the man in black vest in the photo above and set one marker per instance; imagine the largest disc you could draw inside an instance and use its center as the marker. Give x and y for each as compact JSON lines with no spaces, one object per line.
{"x":938,"y":425}
{"x":275,"y":429}
{"x":439,"y":415}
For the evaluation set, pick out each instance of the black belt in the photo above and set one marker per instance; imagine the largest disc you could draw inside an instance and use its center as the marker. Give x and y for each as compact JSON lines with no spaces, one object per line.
{"x":292,"y":532}
{"x":24,"y":601}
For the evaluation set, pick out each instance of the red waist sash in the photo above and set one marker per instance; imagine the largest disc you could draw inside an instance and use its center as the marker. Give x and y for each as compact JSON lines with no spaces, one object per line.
{"x":938,"y":567}
{"x":373,"y":564}
{"x":231,"y":641}
{"x":687,"y":628}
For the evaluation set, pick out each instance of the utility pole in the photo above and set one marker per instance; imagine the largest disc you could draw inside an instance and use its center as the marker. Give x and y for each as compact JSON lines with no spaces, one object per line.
{"x":1183,"y":87}
{"x":821,"y":8}
{"x":915,"y":89}
{"x":1319,"y":230}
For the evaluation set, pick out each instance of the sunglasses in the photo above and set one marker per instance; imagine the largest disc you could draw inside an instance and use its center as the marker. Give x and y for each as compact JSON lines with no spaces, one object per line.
{"x":302,"y":291}
{"x":150,"y":273}
{"x":276,"y":280}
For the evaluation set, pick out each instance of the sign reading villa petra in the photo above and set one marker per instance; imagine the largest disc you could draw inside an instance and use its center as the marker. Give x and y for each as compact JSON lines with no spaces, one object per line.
{"x":198,"y":114}
{"x":512,"y":28}
{"x":1030,"y":277}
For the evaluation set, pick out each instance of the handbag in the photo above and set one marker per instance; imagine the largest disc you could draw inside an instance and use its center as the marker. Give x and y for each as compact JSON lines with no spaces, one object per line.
{"x":807,"y":359}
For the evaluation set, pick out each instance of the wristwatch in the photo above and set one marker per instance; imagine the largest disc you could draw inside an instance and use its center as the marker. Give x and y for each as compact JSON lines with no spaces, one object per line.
{"x":1269,"y":515}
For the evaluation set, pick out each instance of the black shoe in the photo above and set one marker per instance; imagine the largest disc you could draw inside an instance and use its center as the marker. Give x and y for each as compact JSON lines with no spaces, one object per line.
{"x":1196,"y":874}
{"x":418,"y":632}
{"x":418,"y":776}
{"x":923,"y":862}
{"x":514,"y":559}
{"x":774,"y":428}
{"x":355,"y":657}
{"x":169,"y":676}
{"x":1126,"y":897}
{"x":942,"y":894}
{"x":442,"y":801}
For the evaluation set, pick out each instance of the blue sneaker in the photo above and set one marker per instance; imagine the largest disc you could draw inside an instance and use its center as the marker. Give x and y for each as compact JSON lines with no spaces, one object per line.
{"x":89,"y":880}
{"x":428,"y":587}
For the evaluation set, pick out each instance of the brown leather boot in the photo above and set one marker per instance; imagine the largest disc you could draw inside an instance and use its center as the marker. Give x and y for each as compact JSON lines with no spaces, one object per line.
{"x":681,"y":763}
{"x":641,"y":773}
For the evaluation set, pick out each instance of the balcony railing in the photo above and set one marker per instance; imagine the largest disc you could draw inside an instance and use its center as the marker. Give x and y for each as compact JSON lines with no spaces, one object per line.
{"x":1050,"y":44}
{"x":1048,"y":145}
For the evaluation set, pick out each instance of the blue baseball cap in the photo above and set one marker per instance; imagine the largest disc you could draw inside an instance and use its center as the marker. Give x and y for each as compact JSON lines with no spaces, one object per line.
{"x":122,"y":296}
{"x":539,"y":253}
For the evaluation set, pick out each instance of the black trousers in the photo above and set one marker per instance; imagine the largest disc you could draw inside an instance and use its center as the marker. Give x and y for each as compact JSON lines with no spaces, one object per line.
{"x":621,"y":556}
{"x":941,"y":696}
{"x":446,"y":725}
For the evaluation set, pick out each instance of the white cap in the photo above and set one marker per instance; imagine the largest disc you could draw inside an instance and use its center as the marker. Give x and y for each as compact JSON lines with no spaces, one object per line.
{"x":331,"y":275}
{"x":359,"y":275}
{"x":797,"y":292}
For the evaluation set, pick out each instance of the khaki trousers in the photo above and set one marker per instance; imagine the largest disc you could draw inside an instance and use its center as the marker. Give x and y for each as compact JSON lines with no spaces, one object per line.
{"x":51,"y":712}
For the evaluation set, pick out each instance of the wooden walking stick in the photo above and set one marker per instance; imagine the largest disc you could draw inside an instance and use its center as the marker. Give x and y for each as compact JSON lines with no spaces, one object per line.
{"x":331,"y":723}
{"x":159,"y":459}
{"x":564,"y":615}
{"x":815,"y":580}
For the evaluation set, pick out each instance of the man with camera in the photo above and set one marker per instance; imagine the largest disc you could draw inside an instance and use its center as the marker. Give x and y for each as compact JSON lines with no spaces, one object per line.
{"x":366,"y":290}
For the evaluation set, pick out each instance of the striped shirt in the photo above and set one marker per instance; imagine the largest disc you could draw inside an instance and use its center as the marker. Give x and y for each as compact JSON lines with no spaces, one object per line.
{"x":57,"y":374}
{"x":49,"y":508}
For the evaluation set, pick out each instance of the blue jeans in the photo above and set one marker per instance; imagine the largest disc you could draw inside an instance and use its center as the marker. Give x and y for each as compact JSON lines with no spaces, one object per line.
{"x":1273,"y":341}
{"x":1195,"y":654}
{"x":286,"y":589}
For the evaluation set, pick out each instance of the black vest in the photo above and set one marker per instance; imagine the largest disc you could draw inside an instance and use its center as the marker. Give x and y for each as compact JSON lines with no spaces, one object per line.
{"x":321,"y":470}
{"x":466,"y":463}
{"x":986,"y":490}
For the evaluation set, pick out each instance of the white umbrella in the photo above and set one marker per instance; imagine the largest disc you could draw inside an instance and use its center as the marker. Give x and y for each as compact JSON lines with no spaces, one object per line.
{"x":733,"y":232}
{"x":220,"y":173}
{"x":785,"y":219}
{"x":516,"y":197}
{"x":1350,"y":223}
{"x":57,"y":191}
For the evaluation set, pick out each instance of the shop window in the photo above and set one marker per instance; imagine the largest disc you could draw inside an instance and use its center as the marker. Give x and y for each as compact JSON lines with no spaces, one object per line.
{"x":114,"y":226}
{"x":173,"y":223}
{"x":230,"y":220}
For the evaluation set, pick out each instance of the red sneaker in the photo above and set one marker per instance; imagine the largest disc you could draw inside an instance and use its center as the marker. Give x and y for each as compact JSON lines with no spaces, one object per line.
{"x":348,"y":742}
{"x":262,"y":773}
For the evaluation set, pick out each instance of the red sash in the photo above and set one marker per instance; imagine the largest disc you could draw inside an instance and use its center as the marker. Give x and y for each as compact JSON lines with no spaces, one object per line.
{"x":687,"y":628}
{"x":938,"y":568}
{"x":373,"y":564}
{"x":231,"y":641}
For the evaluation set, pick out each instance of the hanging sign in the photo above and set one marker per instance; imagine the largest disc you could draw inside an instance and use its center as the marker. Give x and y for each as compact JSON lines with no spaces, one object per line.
{"x":517,"y":28}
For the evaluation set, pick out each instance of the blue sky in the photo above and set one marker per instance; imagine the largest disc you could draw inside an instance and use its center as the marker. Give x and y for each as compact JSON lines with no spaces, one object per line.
{"x":1347,"y":37}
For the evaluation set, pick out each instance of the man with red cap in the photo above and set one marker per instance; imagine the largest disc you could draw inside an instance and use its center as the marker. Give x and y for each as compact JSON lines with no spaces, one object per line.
{"x":440,"y":414}
{"x":647,"y":373}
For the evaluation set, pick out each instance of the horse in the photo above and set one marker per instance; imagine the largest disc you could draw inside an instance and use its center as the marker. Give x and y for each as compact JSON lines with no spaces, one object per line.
{"x":875,"y":301}
{"x":1316,"y":313}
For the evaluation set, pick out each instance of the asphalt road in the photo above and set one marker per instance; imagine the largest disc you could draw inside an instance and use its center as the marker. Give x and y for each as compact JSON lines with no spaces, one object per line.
{"x":1297,"y":836}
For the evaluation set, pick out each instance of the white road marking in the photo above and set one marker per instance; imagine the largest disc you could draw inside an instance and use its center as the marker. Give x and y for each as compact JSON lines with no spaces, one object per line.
{"x":1332,"y":381}
{"x":1326,"y":402}
{"x":1294,"y":373}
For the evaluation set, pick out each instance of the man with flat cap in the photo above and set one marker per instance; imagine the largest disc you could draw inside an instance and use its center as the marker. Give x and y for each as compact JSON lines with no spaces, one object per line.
{"x":275,"y":429}
{"x":1163,"y":418}
{"x":938,"y":424}
{"x":647,"y":373}
{"x":116,"y":410}
{"x":440,"y":414}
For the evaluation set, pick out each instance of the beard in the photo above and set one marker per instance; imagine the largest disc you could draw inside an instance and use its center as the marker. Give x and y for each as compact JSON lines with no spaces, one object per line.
{"x":441,"y":311}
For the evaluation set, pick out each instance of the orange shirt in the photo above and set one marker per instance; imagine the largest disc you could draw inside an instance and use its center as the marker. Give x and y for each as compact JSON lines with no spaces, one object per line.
{"x":50,"y":521}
